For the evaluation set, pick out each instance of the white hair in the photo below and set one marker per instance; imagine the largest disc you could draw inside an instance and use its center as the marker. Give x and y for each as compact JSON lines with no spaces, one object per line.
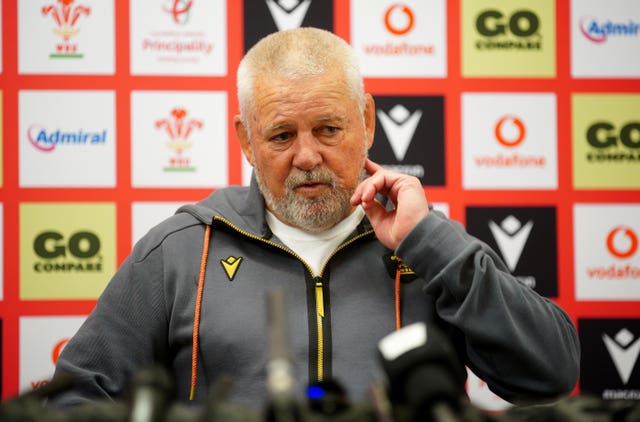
{"x":295,"y":54}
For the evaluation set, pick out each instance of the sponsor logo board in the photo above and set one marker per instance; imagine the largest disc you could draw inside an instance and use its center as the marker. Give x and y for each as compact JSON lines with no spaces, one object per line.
{"x":607,"y":259}
{"x":67,"y":250}
{"x":179,"y":139}
{"x":57,"y":128}
{"x":400,"y":39}
{"x":509,"y":141}
{"x":508,"y":38}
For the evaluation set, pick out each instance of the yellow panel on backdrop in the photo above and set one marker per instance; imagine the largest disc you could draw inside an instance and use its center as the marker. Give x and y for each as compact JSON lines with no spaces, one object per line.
{"x":606,"y":141}
{"x":67,"y":250}
{"x":512,"y":38}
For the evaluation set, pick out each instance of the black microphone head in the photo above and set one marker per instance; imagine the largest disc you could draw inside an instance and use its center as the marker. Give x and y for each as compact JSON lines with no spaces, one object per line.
{"x":422,"y":367}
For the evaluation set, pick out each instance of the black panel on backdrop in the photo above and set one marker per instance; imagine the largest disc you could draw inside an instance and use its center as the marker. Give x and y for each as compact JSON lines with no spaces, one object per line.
{"x":262,"y":17}
{"x":526,"y":239}
{"x":409,"y":136}
{"x":609,"y":364}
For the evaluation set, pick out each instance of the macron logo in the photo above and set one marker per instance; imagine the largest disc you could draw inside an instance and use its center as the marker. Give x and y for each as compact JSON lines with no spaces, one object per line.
{"x":288,"y":14}
{"x":399,"y":126}
{"x":623,"y":353}
{"x":511,"y":236}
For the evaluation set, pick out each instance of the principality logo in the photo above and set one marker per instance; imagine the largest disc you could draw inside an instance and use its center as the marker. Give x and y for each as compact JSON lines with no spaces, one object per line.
{"x":178,"y":129}
{"x":288,"y":14}
{"x":180,"y":10}
{"x":399,"y":19}
{"x":399,"y":126}
{"x":599,"y":31}
{"x":230,"y":266}
{"x":66,"y":15}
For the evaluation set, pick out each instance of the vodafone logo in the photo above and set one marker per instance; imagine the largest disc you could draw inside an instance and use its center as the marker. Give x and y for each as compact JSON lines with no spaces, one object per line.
{"x":399,"y":19}
{"x":622,"y":242}
{"x":57,"y":349}
{"x":510,"y":131}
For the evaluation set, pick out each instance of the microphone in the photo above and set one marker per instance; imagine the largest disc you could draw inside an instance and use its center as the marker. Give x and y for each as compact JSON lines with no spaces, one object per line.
{"x":151,"y":395}
{"x":280,"y":379}
{"x":423,"y":372}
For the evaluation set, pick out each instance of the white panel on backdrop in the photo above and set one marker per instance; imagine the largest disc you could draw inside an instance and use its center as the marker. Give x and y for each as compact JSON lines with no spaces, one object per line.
{"x":405,"y":39}
{"x":178,"y":38}
{"x":73,"y":38}
{"x":179,"y":139}
{"x":42,"y":338}
{"x":607,"y":254}
{"x":247,"y":169}
{"x":605,"y":38}
{"x":145,"y":215}
{"x":67,"y":138}
{"x":509,"y":141}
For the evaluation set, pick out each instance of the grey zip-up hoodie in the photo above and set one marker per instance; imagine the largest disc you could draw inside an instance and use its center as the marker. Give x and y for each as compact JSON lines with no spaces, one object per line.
{"x":523,"y":345}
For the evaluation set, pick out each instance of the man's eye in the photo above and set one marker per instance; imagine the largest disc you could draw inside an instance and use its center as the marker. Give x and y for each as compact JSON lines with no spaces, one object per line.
{"x":281,"y":137}
{"x":329,"y":130}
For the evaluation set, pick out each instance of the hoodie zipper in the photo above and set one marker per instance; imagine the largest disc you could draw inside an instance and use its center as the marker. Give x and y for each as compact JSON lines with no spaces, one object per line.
{"x":318,"y":286}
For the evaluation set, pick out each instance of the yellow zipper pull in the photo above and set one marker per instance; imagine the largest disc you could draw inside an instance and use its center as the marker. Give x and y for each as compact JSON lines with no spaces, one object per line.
{"x":319,"y":299}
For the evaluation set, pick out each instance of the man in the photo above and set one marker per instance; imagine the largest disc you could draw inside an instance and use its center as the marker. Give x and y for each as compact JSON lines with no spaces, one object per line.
{"x":191,"y":295}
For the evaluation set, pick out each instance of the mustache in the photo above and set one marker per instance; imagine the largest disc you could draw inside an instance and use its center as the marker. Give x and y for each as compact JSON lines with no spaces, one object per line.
{"x":319,"y":175}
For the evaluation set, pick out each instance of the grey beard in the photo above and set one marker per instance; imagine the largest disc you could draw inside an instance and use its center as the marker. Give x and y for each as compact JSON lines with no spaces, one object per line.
{"x":310,"y":214}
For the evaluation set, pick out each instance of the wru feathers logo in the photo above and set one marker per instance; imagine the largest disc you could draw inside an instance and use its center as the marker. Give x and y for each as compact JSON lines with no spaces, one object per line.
{"x":66,"y":14}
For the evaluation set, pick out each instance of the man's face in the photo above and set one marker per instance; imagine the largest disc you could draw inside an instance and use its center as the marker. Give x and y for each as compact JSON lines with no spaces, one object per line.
{"x":307,"y":142}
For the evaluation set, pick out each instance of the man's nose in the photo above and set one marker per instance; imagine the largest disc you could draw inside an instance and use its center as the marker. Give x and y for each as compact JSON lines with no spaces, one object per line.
{"x":307,"y":154}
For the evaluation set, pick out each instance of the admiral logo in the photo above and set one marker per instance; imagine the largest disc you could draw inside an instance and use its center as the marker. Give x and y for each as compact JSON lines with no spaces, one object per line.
{"x":610,"y":354}
{"x":622,"y":244}
{"x":410,"y":137}
{"x":79,"y":254}
{"x":399,"y":20}
{"x":510,"y":132}
{"x":524,"y":237}
{"x":288,"y":14}
{"x":66,"y":15}
{"x":179,"y":10}
{"x":47,"y":141}
{"x":612,"y":144}
{"x":599,"y":31}
{"x":263,"y":17}
{"x":517,"y":31}
{"x":178,"y":129}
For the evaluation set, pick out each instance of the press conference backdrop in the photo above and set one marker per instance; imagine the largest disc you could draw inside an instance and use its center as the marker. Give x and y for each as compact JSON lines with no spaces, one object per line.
{"x":522,"y":120}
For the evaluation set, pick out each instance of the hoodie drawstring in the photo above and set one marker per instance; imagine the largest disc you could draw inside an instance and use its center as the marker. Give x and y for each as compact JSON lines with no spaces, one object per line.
{"x":196,"y":317}
{"x":397,"y":292}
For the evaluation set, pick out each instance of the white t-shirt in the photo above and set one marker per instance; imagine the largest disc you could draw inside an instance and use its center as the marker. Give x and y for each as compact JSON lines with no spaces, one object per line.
{"x":315,"y":248}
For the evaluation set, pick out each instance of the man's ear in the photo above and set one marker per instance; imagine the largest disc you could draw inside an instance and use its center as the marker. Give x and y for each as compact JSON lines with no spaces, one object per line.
{"x":243,"y":136}
{"x":369,"y":119}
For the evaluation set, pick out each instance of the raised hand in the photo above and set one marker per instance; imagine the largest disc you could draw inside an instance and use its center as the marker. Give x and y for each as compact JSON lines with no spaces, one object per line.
{"x":405,"y":192}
